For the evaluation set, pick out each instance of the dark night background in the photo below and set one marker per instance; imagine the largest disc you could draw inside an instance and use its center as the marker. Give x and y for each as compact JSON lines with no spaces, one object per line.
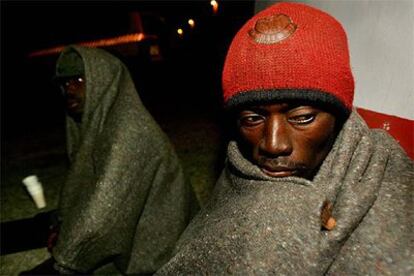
{"x":182,"y":90}
{"x":185,"y":83}
{"x":180,"y":87}
{"x":188,"y":75}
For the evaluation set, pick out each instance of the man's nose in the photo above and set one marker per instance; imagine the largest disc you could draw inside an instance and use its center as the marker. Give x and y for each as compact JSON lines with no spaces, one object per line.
{"x":70,"y":90}
{"x":276,"y":138}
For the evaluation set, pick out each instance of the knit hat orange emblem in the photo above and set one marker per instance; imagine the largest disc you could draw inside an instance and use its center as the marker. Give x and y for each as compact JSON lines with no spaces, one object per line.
{"x":289,"y":51}
{"x":272,"y":29}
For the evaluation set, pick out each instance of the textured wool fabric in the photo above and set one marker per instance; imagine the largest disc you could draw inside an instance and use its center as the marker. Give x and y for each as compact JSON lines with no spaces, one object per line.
{"x":125,"y":199}
{"x":313,"y":57}
{"x":258,"y":225}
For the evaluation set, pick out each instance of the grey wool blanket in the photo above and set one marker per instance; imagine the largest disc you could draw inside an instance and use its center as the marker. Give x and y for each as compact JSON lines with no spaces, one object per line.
{"x":258,"y":225}
{"x":125,"y":199}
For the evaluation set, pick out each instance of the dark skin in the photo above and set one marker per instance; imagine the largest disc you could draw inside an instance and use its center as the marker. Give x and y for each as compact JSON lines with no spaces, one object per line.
{"x":74,"y":92}
{"x":284,"y":139}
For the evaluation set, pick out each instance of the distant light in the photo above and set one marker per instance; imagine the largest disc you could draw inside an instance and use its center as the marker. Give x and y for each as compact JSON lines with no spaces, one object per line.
{"x":180,"y":31}
{"x":214,"y":4}
{"x":123,"y":39}
{"x":191,"y":23}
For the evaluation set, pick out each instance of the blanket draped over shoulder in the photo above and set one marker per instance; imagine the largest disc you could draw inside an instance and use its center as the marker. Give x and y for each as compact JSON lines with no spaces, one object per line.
{"x":258,"y":225}
{"x":125,"y":198}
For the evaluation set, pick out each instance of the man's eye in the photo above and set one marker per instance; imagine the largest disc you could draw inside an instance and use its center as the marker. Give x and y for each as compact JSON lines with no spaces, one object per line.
{"x":250,"y":120}
{"x":302,"y":119}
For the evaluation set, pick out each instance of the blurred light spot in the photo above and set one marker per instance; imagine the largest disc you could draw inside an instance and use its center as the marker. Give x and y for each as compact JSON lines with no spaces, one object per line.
{"x":123,"y":39}
{"x":214,"y":4}
{"x":191,"y":23}
{"x":180,"y":31}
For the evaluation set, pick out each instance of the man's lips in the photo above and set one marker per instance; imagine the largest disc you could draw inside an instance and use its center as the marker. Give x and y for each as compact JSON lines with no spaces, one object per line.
{"x":72,"y":104}
{"x":278,"y":167}
{"x":279,"y":171}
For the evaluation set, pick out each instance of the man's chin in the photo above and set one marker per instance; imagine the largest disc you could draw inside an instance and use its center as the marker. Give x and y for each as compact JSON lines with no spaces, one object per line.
{"x":76,"y":116}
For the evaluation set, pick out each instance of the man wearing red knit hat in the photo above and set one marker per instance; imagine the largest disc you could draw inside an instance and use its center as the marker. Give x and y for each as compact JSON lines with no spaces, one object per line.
{"x":308,"y":188}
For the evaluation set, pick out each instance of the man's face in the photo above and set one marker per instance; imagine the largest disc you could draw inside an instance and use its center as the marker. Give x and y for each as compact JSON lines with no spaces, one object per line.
{"x":75,"y":95}
{"x":286,"y":139}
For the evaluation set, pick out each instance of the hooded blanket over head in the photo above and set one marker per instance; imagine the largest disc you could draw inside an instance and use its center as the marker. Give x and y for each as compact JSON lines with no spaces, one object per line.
{"x":258,"y":225}
{"x":125,"y":199}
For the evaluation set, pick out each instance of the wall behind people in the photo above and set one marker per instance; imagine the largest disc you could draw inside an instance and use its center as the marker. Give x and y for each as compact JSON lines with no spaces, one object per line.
{"x":381,"y":40}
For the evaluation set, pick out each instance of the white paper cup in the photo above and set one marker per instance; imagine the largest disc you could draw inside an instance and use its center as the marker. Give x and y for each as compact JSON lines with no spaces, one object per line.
{"x":35,"y":189}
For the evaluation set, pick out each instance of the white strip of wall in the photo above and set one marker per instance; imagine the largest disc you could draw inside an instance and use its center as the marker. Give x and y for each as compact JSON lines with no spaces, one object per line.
{"x":381,"y":39}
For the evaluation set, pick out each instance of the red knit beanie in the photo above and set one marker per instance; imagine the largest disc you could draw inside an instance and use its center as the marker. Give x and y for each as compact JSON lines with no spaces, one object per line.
{"x":289,"y":51}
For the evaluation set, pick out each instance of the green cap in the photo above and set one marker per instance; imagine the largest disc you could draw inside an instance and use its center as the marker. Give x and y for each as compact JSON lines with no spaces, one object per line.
{"x":69,"y":64}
